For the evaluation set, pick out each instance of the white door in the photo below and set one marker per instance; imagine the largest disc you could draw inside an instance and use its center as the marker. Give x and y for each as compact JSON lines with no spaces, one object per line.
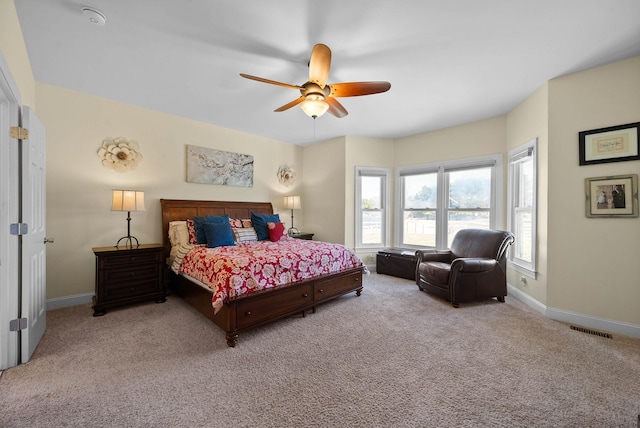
{"x":34,"y":261}
{"x":9,"y":176}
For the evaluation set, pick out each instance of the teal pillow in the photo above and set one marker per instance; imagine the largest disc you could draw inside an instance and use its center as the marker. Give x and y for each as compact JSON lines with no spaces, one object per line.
{"x":260,"y":221}
{"x":218,"y":234}
{"x":200,"y":221}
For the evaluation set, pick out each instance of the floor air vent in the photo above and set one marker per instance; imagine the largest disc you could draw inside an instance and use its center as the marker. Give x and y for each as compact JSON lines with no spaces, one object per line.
{"x":595,"y":333}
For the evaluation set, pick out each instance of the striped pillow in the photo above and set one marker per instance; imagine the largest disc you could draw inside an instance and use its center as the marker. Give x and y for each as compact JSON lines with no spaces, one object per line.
{"x":178,"y":254}
{"x":244,"y":234}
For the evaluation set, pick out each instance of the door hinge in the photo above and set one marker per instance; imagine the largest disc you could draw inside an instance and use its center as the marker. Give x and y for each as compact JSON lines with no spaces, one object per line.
{"x":19,"y":133}
{"x":18,"y":228}
{"x":18,"y":324}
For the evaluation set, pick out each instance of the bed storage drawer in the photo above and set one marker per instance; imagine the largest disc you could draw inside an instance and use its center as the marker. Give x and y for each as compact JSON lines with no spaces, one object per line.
{"x":272,"y":304}
{"x":323,"y":290}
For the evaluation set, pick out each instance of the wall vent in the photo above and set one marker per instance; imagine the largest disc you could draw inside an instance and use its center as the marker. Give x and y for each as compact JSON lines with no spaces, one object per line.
{"x":589,"y":331}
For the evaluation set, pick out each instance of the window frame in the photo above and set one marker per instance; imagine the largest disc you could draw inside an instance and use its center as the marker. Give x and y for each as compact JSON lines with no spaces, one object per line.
{"x":515,"y":157}
{"x":442,"y":168}
{"x":385,"y":199}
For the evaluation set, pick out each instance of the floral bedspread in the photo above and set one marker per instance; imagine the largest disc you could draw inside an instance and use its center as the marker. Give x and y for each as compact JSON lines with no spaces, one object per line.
{"x":232,"y":271}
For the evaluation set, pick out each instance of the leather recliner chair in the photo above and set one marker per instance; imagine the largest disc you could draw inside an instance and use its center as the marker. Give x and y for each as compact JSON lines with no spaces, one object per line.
{"x":473,"y":268}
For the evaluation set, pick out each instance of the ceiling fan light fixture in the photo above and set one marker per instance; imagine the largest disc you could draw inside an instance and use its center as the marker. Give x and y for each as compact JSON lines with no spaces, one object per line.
{"x":316,"y":96}
{"x":314,"y":107}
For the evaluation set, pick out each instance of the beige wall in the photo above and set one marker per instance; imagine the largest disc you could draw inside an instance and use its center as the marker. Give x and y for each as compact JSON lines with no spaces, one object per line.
{"x":527,"y":121}
{"x":593,"y":263}
{"x":324,"y":190}
{"x":15,"y":53}
{"x":79,"y":187}
{"x":475,"y":139}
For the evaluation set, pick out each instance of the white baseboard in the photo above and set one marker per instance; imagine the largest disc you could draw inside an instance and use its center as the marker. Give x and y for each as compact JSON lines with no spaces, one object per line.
{"x":583,"y":320}
{"x":67,"y":301}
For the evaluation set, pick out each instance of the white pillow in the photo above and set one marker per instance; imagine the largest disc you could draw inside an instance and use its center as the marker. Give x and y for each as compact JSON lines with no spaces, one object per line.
{"x":178,"y":233}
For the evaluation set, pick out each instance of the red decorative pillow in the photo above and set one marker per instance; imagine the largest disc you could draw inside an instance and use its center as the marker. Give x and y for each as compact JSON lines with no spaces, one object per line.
{"x":276,"y":231}
{"x":192,"y":231}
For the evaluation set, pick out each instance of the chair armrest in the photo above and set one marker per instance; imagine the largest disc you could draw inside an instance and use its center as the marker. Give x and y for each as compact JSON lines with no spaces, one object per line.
{"x":473,"y":264}
{"x":443,"y":256}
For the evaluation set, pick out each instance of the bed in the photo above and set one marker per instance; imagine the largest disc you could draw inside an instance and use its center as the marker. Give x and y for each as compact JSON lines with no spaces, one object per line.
{"x":243,"y":312}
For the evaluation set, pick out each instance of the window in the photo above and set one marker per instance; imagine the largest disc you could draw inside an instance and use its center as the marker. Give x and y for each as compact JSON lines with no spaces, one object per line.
{"x":438,"y":200}
{"x":522,"y":206}
{"x":371,"y":207}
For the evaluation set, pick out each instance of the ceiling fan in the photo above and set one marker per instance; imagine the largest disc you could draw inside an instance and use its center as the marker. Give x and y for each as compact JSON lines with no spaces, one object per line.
{"x":318,"y":97}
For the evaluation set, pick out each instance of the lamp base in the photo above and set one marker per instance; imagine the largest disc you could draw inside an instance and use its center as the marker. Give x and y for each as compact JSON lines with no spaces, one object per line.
{"x":128,"y":241}
{"x":293,"y":231}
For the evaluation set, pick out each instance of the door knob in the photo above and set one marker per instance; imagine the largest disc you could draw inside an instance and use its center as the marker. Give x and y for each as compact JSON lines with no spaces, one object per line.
{"x":48,"y":240}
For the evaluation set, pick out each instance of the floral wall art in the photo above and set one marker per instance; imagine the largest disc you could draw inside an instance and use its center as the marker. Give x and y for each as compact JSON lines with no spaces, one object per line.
{"x":119,"y":154}
{"x":286,"y":175}
{"x":212,"y":166}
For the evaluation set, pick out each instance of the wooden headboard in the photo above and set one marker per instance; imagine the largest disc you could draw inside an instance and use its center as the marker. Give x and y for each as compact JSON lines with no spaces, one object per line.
{"x":177,"y":209}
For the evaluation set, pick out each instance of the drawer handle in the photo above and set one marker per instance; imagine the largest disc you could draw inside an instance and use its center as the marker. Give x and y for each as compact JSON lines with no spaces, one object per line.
{"x":248,"y":313}
{"x":321,"y":291}
{"x":305,"y":295}
{"x":133,"y":258}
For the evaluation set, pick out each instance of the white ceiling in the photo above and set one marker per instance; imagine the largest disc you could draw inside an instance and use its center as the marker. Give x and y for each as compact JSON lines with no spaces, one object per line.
{"x":449,"y":62}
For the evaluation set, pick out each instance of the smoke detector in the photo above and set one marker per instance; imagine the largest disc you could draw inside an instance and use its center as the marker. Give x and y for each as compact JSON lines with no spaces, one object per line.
{"x":94,"y":16}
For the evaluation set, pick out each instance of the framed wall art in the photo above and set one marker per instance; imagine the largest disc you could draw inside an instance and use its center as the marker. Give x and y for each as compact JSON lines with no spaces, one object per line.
{"x":614,"y":196}
{"x":613,"y":144}
{"x":210,"y":166}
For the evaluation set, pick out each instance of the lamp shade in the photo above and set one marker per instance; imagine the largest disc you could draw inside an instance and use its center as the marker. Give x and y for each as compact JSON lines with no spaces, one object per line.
{"x":292,"y":202}
{"x":127,"y":200}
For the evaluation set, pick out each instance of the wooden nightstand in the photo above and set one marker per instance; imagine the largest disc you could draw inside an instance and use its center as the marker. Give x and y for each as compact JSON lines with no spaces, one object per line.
{"x":303,"y":235}
{"x":128,"y":275}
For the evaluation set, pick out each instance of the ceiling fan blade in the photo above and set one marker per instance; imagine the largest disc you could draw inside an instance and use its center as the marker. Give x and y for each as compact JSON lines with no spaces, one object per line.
{"x":319,"y":65}
{"x":291,"y":104}
{"x":273,"y":82}
{"x":355,"y":89}
{"x":335,"y":108}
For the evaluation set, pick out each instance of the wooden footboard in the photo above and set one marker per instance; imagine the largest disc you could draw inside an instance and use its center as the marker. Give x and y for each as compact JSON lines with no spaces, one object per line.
{"x":264,"y":307}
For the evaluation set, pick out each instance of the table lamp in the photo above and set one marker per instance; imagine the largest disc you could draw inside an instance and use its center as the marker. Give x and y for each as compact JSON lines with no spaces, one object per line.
{"x":127,"y":200}
{"x":292,"y":203}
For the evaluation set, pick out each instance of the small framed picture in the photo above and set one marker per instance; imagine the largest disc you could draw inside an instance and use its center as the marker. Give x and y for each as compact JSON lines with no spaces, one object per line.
{"x":614,"y":196}
{"x":613,"y":144}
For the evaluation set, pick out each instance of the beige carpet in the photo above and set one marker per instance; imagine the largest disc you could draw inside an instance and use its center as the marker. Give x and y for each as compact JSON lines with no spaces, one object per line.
{"x":393,"y":357}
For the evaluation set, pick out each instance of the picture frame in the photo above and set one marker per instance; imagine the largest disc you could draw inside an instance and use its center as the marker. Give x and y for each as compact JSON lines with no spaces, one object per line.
{"x":212,"y":166}
{"x":612,"y":144}
{"x":612,"y":196}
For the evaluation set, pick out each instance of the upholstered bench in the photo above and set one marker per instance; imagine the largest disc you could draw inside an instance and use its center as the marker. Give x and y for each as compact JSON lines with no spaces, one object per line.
{"x":397,"y":262}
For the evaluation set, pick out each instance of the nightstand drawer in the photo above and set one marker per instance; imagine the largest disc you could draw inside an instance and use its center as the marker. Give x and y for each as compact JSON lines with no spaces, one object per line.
{"x":130,"y":275}
{"x":137,"y":258}
{"x":130,"y":289}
